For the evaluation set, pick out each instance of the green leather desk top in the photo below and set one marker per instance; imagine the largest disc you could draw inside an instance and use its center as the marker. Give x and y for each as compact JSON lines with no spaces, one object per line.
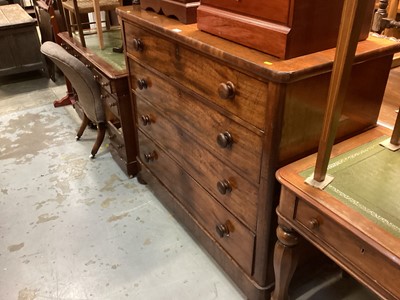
{"x":367,"y":179}
{"x":112,"y":39}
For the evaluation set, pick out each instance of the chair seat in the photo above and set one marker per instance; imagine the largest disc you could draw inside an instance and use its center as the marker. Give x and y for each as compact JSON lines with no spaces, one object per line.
{"x":86,"y":6}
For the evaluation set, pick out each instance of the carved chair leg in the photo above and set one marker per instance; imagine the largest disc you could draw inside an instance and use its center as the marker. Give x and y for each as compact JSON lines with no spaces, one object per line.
{"x":285,"y":262}
{"x":101,"y":132}
{"x":84,"y":124}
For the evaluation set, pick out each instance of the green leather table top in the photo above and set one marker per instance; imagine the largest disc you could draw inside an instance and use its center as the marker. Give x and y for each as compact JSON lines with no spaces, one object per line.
{"x":368,"y":180}
{"x":112,"y":38}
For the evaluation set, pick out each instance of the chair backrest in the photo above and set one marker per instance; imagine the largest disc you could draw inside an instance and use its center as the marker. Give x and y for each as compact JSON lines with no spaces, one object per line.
{"x":86,"y":87}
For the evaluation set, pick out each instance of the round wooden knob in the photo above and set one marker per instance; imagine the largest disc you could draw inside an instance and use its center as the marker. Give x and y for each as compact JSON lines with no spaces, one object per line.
{"x":222,"y":230}
{"x":314,"y":224}
{"x":138,"y":45}
{"x":226,"y":90}
{"x":146,"y":120}
{"x":224,"y":139}
{"x":148,"y":157}
{"x":224,"y":186}
{"x":142,"y":84}
{"x":96,"y":77}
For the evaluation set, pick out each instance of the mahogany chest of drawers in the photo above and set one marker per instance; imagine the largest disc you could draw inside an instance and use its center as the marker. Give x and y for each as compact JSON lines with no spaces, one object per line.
{"x":216,"y":119}
{"x":283,"y":28}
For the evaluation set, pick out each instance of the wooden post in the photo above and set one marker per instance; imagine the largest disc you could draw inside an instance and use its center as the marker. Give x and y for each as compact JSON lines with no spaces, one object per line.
{"x":352,"y":19}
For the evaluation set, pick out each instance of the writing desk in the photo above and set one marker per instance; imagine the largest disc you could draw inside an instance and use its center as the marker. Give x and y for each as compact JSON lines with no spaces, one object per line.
{"x":109,"y":70}
{"x":354,"y":220}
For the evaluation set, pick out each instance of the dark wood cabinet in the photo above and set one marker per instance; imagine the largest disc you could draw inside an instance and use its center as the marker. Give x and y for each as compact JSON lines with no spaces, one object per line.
{"x":283,"y":28}
{"x":20,"y":45}
{"x":216,"y":119}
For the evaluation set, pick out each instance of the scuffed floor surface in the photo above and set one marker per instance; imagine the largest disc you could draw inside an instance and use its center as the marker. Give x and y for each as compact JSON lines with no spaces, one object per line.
{"x":76,"y":228}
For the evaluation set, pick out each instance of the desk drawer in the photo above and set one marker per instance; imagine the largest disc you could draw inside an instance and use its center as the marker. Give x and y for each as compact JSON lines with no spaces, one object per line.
{"x":352,"y":248}
{"x":111,"y":102}
{"x":239,"y":243}
{"x":116,"y":139}
{"x":230,"y":89}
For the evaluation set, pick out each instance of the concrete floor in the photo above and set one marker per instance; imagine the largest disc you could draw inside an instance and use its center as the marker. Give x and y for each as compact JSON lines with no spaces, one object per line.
{"x":76,"y":228}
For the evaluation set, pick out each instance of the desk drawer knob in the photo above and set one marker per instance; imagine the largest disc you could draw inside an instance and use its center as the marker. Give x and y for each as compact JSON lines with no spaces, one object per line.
{"x":226,"y":90}
{"x":138,"y":45}
{"x":222,"y":230}
{"x":113,"y":104}
{"x":142,"y":84}
{"x":224,"y":186}
{"x":313,"y":223}
{"x":104,"y":84}
{"x":224,"y":139}
{"x":96,"y":77}
{"x":103,"y":96}
{"x":146,"y":120}
{"x":148,"y":157}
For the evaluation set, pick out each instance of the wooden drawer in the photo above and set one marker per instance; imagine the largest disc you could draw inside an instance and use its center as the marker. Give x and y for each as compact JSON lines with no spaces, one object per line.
{"x":208,"y":212}
{"x":210,"y":171}
{"x":116,"y":139}
{"x":357,"y":252}
{"x":111,"y":102}
{"x":201,"y":121}
{"x":200,"y":74}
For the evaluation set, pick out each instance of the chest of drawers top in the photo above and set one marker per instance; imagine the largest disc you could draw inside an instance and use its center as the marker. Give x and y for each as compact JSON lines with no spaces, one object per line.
{"x":256,"y":63}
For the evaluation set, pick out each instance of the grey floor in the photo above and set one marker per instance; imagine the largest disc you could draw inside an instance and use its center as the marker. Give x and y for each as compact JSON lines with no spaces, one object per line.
{"x":76,"y":228}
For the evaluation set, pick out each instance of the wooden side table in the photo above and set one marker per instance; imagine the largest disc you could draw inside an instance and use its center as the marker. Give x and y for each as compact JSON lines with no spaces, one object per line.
{"x":354,"y":221}
{"x":20,"y":50}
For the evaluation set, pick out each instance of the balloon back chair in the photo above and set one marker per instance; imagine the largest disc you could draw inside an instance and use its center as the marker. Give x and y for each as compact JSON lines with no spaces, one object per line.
{"x":85,"y":86}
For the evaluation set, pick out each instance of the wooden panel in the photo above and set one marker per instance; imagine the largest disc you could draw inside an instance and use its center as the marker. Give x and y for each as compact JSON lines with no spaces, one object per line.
{"x":208,"y":212}
{"x":272,"y":10}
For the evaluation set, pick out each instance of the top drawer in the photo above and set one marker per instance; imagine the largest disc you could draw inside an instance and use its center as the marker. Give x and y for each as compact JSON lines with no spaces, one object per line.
{"x":234,"y":91}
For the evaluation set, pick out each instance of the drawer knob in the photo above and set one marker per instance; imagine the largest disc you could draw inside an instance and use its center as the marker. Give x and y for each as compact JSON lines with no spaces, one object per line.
{"x":104,"y":84}
{"x":96,"y":77}
{"x":224,"y":186}
{"x":222,"y":230}
{"x":226,"y":90}
{"x":148,"y":157}
{"x":113,"y":104}
{"x":142,"y":84}
{"x":88,"y":66}
{"x":314,"y":224}
{"x":224,"y":139}
{"x":103,"y":96}
{"x":138,"y":45}
{"x":146,"y":120}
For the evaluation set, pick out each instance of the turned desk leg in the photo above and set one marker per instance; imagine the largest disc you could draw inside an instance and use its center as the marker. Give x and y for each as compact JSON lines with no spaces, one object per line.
{"x":285,"y":261}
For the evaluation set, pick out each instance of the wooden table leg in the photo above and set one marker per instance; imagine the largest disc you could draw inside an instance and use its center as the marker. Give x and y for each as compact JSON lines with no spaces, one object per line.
{"x":285,"y":261}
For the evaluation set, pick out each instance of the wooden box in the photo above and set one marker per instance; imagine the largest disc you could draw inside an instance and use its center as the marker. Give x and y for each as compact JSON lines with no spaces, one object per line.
{"x":20,"y":45}
{"x":183,"y":10}
{"x":282,"y":28}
